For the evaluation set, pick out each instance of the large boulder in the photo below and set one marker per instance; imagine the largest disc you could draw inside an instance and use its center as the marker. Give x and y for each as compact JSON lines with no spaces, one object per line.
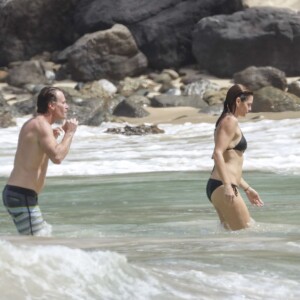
{"x":29,"y":27}
{"x":264,"y":36}
{"x":27,"y":72}
{"x":270,"y":99}
{"x":161,"y":28}
{"x":109,"y":54}
{"x":258,"y":77}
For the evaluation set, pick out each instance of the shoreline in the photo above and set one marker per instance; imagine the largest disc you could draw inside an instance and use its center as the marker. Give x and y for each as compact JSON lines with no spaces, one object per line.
{"x":181,"y":115}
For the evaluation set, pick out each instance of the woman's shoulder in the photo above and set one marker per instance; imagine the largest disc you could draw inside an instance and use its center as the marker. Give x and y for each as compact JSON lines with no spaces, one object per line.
{"x":229,"y":120}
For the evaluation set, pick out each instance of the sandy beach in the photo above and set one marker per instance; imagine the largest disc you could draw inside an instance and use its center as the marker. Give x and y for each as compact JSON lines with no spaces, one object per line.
{"x":181,"y":115}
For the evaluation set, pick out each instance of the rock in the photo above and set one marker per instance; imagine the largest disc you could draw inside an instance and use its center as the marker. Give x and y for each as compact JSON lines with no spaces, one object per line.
{"x":162,"y":29}
{"x":270,"y":99}
{"x":261,"y":36}
{"x":140,"y":100}
{"x":294,"y":88}
{"x":111,"y":54}
{"x":31,"y":27}
{"x":108,"y":86}
{"x":200,"y":88}
{"x":215,"y":97}
{"x":128,"y":108}
{"x":25,"y":107}
{"x":255,"y":78}
{"x":137,"y":130}
{"x":171,"y":101}
{"x":95,"y":89}
{"x":129,"y":86}
{"x":27,"y":72}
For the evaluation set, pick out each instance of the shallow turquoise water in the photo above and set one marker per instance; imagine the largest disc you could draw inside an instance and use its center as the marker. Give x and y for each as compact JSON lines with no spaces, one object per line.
{"x":166,"y":228}
{"x":147,"y":203}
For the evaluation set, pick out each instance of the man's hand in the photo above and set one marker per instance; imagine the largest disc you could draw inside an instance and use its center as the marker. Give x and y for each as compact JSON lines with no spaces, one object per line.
{"x":57,"y":132}
{"x":70,"y":125}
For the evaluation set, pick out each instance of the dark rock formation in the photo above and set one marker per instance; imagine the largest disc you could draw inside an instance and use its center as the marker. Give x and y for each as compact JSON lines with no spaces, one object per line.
{"x":265,"y":36}
{"x":28,"y":72}
{"x":161,"y":28}
{"x":128,"y":108}
{"x":136,"y":130}
{"x":109,"y":54}
{"x":270,"y":99}
{"x":30,"y":27}
{"x":255,"y":78}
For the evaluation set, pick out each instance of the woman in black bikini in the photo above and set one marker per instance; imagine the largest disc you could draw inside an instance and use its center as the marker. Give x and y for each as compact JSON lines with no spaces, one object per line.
{"x":226,"y":177}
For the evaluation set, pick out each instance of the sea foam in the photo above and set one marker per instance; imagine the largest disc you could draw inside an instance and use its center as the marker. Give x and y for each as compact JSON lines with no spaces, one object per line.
{"x":273,"y":146}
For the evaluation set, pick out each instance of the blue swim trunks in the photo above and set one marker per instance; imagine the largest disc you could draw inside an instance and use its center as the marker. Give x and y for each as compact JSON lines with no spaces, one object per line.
{"x":22,"y":205}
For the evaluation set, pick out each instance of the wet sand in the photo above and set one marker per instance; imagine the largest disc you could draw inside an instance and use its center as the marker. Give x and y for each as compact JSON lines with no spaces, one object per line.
{"x":181,"y":115}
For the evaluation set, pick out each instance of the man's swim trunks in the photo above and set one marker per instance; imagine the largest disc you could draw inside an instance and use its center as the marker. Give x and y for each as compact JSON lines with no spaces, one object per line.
{"x":22,"y":205}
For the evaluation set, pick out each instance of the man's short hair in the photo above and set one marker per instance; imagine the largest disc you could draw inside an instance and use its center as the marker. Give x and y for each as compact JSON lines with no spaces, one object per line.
{"x":47,"y":95}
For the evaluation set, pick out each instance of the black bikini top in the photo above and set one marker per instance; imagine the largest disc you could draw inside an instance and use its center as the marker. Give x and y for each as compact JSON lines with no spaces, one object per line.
{"x":241,"y":145}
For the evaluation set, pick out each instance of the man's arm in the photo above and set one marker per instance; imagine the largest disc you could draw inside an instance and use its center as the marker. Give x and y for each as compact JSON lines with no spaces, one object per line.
{"x":56,"y":151}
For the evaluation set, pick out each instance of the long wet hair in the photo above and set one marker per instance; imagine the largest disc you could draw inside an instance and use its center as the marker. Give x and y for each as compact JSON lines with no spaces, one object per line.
{"x":47,"y":95}
{"x":233,"y":93}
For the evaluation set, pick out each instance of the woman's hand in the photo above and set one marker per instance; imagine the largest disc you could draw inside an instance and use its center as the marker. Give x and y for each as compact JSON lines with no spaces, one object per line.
{"x":254,"y":197}
{"x":229,"y":192}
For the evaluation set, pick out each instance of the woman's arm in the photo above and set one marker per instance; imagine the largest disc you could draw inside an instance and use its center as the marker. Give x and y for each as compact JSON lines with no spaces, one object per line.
{"x":252,"y":195}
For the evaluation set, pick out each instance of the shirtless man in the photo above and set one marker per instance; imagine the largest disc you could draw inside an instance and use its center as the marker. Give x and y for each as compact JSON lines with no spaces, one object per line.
{"x":37,"y":144}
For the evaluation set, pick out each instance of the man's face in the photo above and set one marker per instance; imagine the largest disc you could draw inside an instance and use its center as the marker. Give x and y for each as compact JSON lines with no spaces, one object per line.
{"x":60,"y":106}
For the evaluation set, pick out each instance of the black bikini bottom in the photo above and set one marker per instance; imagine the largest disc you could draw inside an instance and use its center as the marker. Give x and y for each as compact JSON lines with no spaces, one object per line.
{"x":212,"y":184}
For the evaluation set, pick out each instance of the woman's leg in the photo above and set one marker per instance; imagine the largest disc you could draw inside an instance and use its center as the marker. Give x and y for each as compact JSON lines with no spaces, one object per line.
{"x":234,"y":215}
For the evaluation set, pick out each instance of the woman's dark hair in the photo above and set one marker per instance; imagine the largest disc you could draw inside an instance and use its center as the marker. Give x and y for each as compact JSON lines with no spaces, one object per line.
{"x":233,"y":93}
{"x":46,"y":95}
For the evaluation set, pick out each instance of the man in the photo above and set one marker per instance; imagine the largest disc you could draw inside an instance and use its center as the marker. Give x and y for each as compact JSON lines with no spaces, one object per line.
{"x":37,"y":144}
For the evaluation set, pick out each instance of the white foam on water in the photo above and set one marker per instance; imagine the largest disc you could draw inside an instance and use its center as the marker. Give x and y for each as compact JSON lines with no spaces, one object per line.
{"x":58,"y":272}
{"x":273,"y":146}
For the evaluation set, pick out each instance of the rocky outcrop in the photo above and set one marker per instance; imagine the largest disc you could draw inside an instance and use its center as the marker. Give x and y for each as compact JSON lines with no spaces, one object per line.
{"x":224,"y":45}
{"x":161,"y":28}
{"x":109,"y":54}
{"x":30,"y":27}
{"x":255,"y":78}
{"x":84,"y":37}
{"x":270,"y":99}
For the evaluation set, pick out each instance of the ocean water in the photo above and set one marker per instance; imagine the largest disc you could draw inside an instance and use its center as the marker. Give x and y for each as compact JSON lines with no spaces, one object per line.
{"x":129,"y":219}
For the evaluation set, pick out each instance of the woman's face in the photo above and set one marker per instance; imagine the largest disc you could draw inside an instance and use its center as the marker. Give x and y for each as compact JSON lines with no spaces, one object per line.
{"x":243,"y":107}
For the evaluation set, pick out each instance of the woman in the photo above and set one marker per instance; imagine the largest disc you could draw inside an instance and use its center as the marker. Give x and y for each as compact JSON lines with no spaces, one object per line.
{"x":226,"y":177}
